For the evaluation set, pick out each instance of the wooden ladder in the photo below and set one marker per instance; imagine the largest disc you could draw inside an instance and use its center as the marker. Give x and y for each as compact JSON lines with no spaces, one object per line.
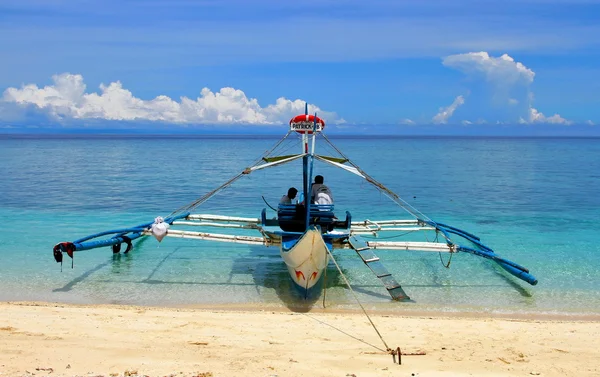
{"x":372,"y":261}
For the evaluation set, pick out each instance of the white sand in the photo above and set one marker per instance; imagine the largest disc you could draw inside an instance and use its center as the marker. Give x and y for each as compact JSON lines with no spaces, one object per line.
{"x":118,"y":340}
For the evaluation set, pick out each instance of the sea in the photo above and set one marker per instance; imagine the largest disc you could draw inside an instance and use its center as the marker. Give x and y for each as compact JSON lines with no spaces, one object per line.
{"x":535,"y":201}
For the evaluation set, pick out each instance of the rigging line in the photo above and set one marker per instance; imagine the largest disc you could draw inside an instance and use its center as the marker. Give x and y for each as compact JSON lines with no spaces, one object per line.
{"x":333,"y":151}
{"x":327,"y":149}
{"x":205,"y":197}
{"x":286,"y":147}
{"x":246,"y":171}
{"x":268,"y":152}
{"x":387,"y":238}
{"x":395,"y":197}
{"x":388,"y":349}
{"x":392,"y":195}
{"x":276,"y":151}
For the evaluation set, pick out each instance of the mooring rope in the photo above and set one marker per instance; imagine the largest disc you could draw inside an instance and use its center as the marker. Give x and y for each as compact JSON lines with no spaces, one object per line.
{"x":387,"y":348}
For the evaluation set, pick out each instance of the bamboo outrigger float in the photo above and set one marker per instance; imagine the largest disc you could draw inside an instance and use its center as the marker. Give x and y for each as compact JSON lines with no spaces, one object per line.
{"x":307,"y":233}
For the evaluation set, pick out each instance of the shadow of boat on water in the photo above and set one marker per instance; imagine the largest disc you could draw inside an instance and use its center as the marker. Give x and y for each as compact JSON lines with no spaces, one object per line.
{"x":254,"y":266}
{"x":116,"y":262}
{"x":263,"y":265}
{"x":270,"y":272}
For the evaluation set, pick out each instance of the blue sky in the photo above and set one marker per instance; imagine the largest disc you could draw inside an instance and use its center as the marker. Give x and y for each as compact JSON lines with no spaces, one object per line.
{"x":428,"y":66}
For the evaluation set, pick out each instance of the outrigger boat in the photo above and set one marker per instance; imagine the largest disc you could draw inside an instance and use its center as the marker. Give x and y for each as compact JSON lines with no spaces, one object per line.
{"x":307,"y":233}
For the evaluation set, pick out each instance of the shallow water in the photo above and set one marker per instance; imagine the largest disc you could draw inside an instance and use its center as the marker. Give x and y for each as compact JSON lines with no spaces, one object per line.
{"x":533,"y":200}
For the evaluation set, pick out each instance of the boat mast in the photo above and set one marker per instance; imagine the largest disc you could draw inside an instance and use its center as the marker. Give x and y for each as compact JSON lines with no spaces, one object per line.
{"x":305,"y":177}
{"x":310,"y":172}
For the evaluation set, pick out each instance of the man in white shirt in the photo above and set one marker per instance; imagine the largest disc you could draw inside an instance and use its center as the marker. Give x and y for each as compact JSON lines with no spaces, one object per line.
{"x":320,"y":194}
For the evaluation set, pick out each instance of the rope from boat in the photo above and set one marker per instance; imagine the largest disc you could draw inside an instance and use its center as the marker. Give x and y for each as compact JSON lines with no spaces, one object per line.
{"x":386,"y":238}
{"x":324,"y":286}
{"x":190,"y":207}
{"x":286,"y":147}
{"x":268,"y":152}
{"x":387,"y":348}
{"x":447,"y":265}
{"x":267,"y":203}
{"x":436,"y":239}
{"x":386,"y":191}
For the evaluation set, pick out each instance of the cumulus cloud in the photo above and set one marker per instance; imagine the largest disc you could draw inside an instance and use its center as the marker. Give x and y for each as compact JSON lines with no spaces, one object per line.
{"x":407,"y":121}
{"x":446,"y":112}
{"x":500,"y":71}
{"x":502,"y":87}
{"x":67,"y":99}
{"x":537,"y":117}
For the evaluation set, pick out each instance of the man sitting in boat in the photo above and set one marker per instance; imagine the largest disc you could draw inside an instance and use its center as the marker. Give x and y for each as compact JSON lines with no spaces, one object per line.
{"x":291,"y":195}
{"x":320,"y":194}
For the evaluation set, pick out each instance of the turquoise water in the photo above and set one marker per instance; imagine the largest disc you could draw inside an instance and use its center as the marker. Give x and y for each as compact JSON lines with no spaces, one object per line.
{"x":535,"y":201}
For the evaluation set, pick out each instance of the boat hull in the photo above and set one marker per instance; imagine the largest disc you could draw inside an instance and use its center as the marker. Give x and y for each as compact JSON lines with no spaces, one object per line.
{"x":306,"y":257}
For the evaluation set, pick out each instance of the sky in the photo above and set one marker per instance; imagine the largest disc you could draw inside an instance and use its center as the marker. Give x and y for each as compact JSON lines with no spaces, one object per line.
{"x":470,"y":67}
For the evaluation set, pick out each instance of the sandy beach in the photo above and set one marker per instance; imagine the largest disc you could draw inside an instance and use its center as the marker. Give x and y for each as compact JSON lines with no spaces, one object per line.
{"x":66,"y":340}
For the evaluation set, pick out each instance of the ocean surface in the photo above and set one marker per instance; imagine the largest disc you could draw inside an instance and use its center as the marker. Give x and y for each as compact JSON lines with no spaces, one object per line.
{"x":535,"y":201}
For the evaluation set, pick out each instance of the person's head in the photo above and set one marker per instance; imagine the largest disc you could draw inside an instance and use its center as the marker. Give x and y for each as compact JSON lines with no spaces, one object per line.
{"x":292,"y":193}
{"x":319,"y":179}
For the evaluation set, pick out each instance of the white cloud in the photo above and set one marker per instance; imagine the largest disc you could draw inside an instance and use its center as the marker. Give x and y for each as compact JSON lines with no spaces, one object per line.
{"x":67,"y":99}
{"x":407,"y":121}
{"x":589,"y":122}
{"x":446,"y":112}
{"x":504,"y":88}
{"x":537,"y":117}
{"x":503,"y":70}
